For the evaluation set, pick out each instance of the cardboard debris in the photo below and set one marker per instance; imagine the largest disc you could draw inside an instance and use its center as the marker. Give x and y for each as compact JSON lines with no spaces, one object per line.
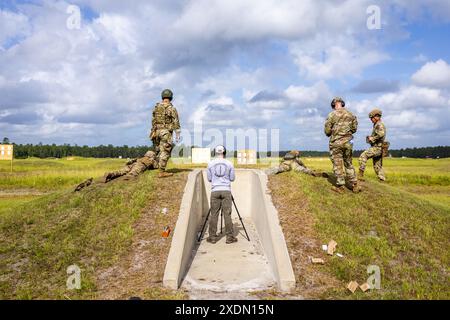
{"x":166,"y":232}
{"x":352,"y":286}
{"x":331,"y":247}
{"x":364,"y":287}
{"x":339,"y":255}
{"x":164,"y":211}
{"x":324,"y":247}
{"x":317,"y":261}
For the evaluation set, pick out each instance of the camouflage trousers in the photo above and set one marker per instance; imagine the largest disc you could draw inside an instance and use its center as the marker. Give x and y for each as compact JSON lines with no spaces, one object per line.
{"x":163,"y":144}
{"x":374,"y":153}
{"x":132,"y":170}
{"x":221,"y":201}
{"x":341,"y":156}
{"x":289,"y":165}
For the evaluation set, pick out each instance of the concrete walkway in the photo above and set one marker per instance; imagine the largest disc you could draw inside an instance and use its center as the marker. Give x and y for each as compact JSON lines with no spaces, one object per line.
{"x":230,"y":271}
{"x":233,"y":271}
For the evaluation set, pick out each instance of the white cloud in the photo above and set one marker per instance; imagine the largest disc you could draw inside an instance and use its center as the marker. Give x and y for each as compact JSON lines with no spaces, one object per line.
{"x":414,"y":97}
{"x":121,"y":29}
{"x":245,"y":20}
{"x":308,"y":96}
{"x":12,"y":25}
{"x":102,"y":80}
{"x":433,"y":74}
{"x":412,"y":120}
{"x":326,"y":57}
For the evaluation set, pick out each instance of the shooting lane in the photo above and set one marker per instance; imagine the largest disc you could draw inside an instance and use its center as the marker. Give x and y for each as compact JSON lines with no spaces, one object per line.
{"x":221,"y":271}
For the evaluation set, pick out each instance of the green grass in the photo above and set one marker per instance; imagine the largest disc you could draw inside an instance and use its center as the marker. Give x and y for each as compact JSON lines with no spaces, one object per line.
{"x":412,"y":231}
{"x":50,"y":175}
{"x":426,"y":179}
{"x":40,"y":236}
{"x":12,"y":202}
{"x":48,"y":234}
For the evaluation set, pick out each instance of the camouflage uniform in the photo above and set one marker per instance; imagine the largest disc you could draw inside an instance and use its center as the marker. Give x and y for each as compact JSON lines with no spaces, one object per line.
{"x":375,"y":152}
{"x":340,"y":126}
{"x":165,"y":120}
{"x":292,"y":161}
{"x":134,"y":167}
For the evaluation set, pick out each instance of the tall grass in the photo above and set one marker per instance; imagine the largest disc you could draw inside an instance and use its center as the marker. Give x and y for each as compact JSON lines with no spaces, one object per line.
{"x":52,"y":175}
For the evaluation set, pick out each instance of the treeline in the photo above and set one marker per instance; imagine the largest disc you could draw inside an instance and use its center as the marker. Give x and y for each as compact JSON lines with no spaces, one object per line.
{"x":61,"y":151}
{"x":429,"y":152}
{"x":22,"y":151}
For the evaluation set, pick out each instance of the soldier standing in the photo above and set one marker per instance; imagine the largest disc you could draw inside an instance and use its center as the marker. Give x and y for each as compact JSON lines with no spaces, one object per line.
{"x":340,"y":126}
{"x":292,"y":161}
{"x":164,"y":122}
{"x":375,"y":152}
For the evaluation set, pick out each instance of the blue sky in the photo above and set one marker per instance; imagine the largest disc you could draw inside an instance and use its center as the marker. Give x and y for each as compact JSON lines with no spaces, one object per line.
{"x":247,"y":65}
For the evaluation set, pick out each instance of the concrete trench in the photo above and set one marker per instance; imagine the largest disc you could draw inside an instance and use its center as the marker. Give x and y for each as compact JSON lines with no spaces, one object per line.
{"x":222,"y":271}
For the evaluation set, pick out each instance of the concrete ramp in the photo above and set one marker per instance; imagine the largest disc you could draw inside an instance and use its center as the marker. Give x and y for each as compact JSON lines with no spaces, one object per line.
{"x":229,"y":271}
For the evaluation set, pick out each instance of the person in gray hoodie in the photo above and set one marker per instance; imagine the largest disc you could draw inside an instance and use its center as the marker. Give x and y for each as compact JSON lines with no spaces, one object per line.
{"x":221,"y":173}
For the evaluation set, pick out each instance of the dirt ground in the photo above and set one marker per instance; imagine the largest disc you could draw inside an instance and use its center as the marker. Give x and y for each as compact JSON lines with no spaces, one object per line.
{"x":140,"y":271}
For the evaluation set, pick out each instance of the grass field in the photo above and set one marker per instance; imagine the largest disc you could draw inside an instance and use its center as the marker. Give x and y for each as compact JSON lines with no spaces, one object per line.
{"x":45,"y":227}
{"x":426,"y":178}
{"x":402,"y":226}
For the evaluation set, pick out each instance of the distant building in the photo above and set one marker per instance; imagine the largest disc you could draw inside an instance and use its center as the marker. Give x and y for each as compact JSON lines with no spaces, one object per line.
{"x":247,"y":156}
{"x":201,"y":155}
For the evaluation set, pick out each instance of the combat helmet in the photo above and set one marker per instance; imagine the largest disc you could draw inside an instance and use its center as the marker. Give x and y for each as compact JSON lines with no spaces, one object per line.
{"x":375,"y":112}
{"x":337,"y":99}
{"x":167,"y":94}
{"x":150,"y":154}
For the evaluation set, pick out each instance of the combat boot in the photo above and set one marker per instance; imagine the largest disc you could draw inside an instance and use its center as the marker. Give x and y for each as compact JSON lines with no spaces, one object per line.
{"x":164,"y":174}
{"x":106,"y":178}
{"x":356,"y":188}
{"x":340,"y":190}
{"x":361,"y":175}
{"x":231,"y":239}
{"x":84,"y":184}
{"x":212,"y":239}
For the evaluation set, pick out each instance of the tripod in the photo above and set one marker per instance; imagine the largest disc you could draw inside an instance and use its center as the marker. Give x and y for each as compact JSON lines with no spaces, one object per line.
{"x":221,"y":219}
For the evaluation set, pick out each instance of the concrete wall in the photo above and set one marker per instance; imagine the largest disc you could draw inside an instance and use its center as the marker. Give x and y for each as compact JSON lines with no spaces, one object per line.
{"x":253,"y":201}
{"x":265,"y":217}
{"x":193,"y":209}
